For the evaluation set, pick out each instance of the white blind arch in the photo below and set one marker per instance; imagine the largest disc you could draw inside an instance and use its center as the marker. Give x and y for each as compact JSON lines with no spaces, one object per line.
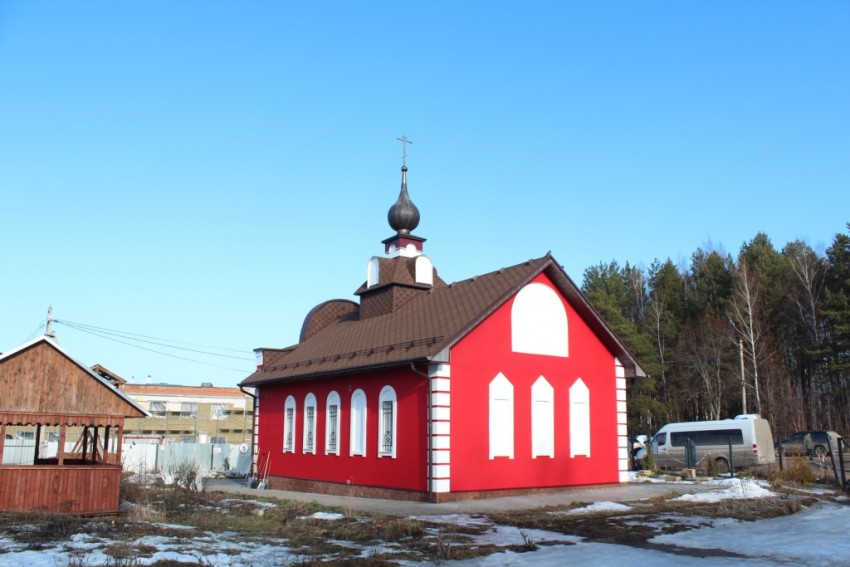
{"x":501,"y":407}
{"x":539,"y":322}
{"x":542,"y":419}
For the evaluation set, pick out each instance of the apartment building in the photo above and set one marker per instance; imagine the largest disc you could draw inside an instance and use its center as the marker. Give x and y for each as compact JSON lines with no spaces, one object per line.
{"x":191,"y":414}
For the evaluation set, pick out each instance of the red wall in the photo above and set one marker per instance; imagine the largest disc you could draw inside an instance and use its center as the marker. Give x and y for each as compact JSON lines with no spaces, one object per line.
{"x":475,"y":361}
{"x":479,"y":358}
{"x":405,"y":472}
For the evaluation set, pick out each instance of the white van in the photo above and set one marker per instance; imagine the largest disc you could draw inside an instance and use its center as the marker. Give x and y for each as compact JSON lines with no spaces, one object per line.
{"x":749,"y":435}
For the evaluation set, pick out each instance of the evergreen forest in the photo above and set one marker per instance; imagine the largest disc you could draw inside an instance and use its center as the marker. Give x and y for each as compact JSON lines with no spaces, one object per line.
{"x":767,"y":332}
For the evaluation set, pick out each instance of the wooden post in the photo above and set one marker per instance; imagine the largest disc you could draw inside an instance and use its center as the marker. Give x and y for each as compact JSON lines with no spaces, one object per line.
{"x":37,"y":442}
{"x":60,"y":451}
{"x":119,"y":443}
{"x":85,"y":442}
{"x":106,"y":444}
{"x":2,"y":441}
{"x":94,"y":444}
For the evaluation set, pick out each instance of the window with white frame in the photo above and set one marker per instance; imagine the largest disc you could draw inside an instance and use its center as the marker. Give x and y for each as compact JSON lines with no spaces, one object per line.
{"x":309,"y":441}
{"x":158,"y":409}
{"x":332,"y":425}
{"x":289,"y":425}
{"x":501,"y":408}
{"x":188,"y":409}
{"x":542,"y":419}
{"x":539,"y":322}
{"x":579,"y":419}
{"x":358,"y":423}
{"x":387,"y":429}
{"x":218,"y":411}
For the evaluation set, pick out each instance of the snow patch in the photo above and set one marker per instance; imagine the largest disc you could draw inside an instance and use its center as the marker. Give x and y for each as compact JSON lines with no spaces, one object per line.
{"x":728,"y":488}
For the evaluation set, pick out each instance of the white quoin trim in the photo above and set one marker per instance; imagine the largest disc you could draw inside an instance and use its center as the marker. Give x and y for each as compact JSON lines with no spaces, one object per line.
{"x":622,"y":420}
{"x":439,"y":428}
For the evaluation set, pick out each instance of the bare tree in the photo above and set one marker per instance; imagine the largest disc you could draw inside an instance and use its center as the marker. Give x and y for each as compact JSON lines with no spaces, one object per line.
{"x":744,"y":309}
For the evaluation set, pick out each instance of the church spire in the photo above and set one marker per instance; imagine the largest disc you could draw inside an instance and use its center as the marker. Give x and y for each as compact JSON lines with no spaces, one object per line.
{"x":403,"y":216}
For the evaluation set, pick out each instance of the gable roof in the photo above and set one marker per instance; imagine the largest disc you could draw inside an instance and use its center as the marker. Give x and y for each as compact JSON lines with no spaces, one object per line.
{"x":134,"y":409}
{"x":424,"y":328}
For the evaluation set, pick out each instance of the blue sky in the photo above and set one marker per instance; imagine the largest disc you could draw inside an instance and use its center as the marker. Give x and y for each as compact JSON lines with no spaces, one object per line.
{"x":207,"y":172}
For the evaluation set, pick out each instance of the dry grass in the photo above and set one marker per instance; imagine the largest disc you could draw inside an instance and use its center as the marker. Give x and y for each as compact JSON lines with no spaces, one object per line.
{"x":155,"y":510}
{"x":636,"y":526}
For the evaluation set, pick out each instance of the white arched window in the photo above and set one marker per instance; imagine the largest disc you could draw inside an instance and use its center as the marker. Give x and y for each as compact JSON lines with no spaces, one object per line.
{"x":358,"y":423}
{"x":539,"y":322}
{"x":542,"y":419}
{"x":501,"y":407}
{"x":309,"y":441}
{"x":387,"y":429}
{"x":289,"y":425}
{"x":332,"y":425}
{"x":579,"y":419}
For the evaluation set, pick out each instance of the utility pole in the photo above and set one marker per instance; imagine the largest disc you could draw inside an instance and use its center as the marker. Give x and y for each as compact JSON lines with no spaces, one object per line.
{"x":48,"y":332}
{"x":743,"y":383}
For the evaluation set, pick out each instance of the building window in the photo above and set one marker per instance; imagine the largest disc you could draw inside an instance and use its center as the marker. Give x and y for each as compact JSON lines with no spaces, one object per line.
{"x":387,"y":430}
{"x":158,"y":409}
{"x":358,"y":423}
{"x":579,"y":419}
{"x":188,"y":409}
{"x":289,"y":425}
{"x":501,"y":406}
{"x":539,"y":322}
{"x":310,"y":424}
{"x":218,"y":411}
{"x":332,"y":425}
{"x":542,"y":419}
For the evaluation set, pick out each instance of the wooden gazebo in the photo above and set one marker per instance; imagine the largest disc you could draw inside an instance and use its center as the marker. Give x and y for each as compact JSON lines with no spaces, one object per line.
{"x":44,"y":387}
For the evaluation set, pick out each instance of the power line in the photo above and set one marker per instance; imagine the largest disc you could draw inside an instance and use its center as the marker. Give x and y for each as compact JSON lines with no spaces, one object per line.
{"x":34,"y":333}
{"x":111,"y":335}
{"x":100,"y":331}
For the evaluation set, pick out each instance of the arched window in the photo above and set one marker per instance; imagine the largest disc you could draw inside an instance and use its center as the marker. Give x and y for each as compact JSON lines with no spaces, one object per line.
{"x":501,"y":394}
{"x":539,"y":322}
{"x":579,"y":419}
{"x":387,"y":429}
{"x":309,"y":441}
{"x":332,"y":425}
{"x":542,"y":419}
{"x":358,"y":423}
{"x":289,"y":425}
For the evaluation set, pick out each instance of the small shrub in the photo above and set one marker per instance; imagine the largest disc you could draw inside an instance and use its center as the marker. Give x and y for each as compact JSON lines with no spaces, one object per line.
{"x":711,"y":468}
{"x":797,"y":472}
{"x":187,"y":475}
{"x":403,"y":529}
{"x":648,"y":462}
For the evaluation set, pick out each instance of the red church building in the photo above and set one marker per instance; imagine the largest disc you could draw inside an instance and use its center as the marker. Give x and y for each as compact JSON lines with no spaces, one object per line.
{"x":504,"y":383}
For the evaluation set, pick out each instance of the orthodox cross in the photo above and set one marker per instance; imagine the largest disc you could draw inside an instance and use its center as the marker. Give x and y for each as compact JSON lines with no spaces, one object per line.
{"x":404,"y":141}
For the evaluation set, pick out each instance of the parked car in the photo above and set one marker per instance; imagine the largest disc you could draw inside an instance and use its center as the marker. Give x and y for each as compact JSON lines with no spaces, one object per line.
{"x":815,"y":443}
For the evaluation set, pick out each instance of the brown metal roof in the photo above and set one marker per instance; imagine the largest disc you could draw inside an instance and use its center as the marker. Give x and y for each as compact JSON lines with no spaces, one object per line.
{"x":423,"y":327}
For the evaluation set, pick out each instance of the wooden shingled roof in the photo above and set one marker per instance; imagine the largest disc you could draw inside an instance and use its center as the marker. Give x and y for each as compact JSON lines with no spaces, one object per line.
{"x":424,"y":328}
{"x":41,"y":383}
